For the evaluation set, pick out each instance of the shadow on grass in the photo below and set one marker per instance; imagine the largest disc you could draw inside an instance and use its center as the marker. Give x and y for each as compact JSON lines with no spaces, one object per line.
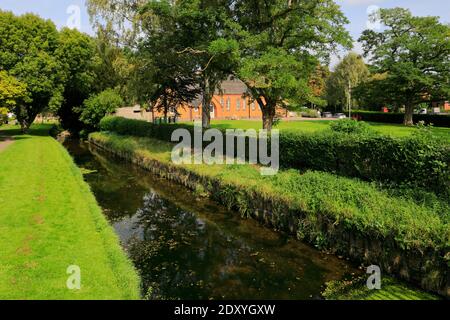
{"x":35,"y":130}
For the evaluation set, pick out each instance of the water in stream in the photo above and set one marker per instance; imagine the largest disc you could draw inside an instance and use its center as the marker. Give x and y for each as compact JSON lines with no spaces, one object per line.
{"x":190,"y":248}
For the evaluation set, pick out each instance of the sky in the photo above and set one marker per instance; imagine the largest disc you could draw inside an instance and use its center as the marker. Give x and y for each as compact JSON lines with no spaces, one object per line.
{"x":66,"y":12}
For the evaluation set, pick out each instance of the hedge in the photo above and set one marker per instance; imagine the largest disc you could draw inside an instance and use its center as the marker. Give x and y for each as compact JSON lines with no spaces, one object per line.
{"x":418,"y":160}
{"x":371,"y":116}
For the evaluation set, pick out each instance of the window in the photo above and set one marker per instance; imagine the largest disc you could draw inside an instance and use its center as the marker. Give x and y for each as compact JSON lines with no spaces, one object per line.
{"x":253,"y":105}
{"x":196,"y":109}
{"x":222,"y":103}
{"x":243,"y":105}
{"x":238,"y":104}
{"x":228,"y":104}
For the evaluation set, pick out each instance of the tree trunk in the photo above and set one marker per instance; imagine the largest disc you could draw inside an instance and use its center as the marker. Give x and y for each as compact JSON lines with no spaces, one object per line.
{"x":268,"y":115}
{"x":206,"y":112}
{"x":408,"y":120}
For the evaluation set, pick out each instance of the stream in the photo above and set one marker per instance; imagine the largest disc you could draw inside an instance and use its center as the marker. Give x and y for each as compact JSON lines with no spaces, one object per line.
{"x":186,"y":247}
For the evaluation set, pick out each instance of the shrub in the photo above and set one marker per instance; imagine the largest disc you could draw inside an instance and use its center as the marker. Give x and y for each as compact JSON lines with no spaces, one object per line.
{"x":419,"y":160}
{"x":435,"y":119}
{"x":97,"y":106}
{"x":350,"y":126}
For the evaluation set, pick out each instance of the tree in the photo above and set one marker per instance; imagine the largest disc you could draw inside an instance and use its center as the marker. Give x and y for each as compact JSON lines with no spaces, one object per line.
{"x":317,"y":85}
{"x":194,"y":32}
{"x":77,"y":53}
{"x":414,"y":52}
{"x":349,"y":73}
{"x":281,"y":42}
{"x":12,"y":91}
{"x":27,"y":52}
{"x":98,"y":106}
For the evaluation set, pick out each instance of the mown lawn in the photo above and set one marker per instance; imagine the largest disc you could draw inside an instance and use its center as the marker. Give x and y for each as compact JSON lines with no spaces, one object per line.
{"x":318,"y":125}
{"x":49,"y":220}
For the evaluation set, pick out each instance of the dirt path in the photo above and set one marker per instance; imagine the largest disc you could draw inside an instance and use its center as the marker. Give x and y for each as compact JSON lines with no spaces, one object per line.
{"x":5,"y":142}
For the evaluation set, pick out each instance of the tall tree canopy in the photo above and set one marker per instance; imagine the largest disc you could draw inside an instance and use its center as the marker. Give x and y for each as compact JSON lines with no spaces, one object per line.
{"x":196,"y":33}
{"x":27,"y":51}
{"x":348,"y":74}
{"x":76,"y":52}
{"x":281,"y":43}
{"x":414,"y":52}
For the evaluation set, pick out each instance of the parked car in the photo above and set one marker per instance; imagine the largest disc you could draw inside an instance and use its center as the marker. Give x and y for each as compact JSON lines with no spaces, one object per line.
{"x":327,"y":115}
{"x":340,"y":116}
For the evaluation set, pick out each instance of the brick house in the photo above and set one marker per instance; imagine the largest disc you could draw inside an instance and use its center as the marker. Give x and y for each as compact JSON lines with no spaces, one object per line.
{"x":229,"y":104}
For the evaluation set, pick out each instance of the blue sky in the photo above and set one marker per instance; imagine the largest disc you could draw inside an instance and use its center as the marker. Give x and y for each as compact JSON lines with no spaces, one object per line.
{"x":355,"y":10}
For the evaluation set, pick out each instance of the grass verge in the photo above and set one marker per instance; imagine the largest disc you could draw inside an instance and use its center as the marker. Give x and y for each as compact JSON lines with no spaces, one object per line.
{"x":356,"y":289}
{"x":49,"y":220}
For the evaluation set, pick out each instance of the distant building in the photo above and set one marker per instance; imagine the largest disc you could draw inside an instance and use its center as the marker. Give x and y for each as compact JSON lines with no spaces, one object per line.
{"x":229,"y":104}
{"x":445,"y":105}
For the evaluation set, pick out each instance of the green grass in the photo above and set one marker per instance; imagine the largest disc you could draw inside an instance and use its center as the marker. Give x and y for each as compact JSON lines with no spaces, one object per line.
{"x":359,"y":204}
{"x":391,"y":289}
{"x":49,"y":220}
{"x":396,"y":130}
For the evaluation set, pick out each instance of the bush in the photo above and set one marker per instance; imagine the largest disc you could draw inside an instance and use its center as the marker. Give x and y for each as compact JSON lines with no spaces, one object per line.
{"x":97,"y":106}
{"x":419,"y":160}
{"x":435,"y":119}
{"x":350,"y":126}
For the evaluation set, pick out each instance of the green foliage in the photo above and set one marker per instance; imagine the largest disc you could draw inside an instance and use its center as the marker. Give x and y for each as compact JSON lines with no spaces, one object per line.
{"x":418,"y":160}
{"x":12,"y":91}
{"x":351,"y":126}
{"x":98,"y":106}
{"x":27,"y":52}
{"x":276,"y":41}
{"x":76,"y":52}
{"x":3,"y":115}
{"x":349,"y":73}
{"x":414,"y":53}
{"x":438,"y":120}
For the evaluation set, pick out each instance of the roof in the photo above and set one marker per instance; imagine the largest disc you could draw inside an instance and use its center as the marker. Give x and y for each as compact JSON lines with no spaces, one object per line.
{"x":233,"y":86}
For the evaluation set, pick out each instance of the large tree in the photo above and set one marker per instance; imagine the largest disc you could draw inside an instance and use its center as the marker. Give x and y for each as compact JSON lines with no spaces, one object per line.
{"x":281,"y":43}
{"x":27,"y":51}
{"x":195,"y":34}
{"x":197,"y":31}
{"x":77,"y":54}
{"x":414,"y":52}
{"x":348,"y":74}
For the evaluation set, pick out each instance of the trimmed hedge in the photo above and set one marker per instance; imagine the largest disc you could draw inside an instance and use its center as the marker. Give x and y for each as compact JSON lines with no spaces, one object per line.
{"x":371,"y":116}
{"x":418,"y":160}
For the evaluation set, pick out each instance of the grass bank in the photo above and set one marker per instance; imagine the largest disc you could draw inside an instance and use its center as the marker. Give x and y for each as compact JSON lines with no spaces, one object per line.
{"x":345,"y":215}
{"x":49,"y":220}
{"x":356,"y":289}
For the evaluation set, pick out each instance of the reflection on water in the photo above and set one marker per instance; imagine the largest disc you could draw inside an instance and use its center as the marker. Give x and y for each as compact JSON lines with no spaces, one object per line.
{"x":190,"y":248}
